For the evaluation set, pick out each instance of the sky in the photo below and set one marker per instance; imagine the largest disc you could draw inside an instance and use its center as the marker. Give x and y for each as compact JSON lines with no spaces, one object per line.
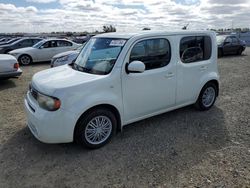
{"x":125,"y":15}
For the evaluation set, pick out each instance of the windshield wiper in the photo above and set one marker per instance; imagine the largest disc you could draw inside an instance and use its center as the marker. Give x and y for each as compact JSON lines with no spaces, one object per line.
{"x":82,"y":69}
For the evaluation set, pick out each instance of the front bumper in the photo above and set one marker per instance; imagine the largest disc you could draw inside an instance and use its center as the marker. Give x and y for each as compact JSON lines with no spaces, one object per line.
{"x":49,"y":127}
{"x":11,"y":74}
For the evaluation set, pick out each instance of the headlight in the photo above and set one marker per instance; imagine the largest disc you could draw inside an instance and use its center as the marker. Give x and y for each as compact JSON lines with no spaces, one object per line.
{"x":48,"y":103}
{"x":64,"y":58}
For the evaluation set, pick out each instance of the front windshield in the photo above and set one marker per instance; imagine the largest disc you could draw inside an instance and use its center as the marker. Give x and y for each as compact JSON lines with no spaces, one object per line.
{"x":220,"y":39}
{"x":37,"y":45}
{"x":99,"y":55}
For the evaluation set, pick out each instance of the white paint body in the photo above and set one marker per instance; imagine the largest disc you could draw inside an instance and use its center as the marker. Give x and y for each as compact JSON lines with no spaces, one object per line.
{"x":43,"y":54}
{"x":136,"y":96}
{"x":7,"y":66}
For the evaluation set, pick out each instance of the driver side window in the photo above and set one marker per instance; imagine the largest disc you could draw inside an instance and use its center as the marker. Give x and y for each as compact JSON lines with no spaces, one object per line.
{"x":154,"y":53}
{"x":228,"y":40}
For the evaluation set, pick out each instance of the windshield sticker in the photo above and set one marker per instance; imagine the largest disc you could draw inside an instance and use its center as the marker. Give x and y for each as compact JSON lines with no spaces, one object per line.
{"x":117,"y":43}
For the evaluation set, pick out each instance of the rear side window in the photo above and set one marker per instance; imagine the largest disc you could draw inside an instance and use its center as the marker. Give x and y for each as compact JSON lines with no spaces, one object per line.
{"x":26,"y":42}
{"x":62,"y":43}
{"x":195,"y":48}
{"x":154,"y":53}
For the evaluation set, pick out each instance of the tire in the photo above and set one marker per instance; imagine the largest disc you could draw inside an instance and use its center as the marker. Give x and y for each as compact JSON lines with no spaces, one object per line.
{"x":220,"y":53}
{"x":25,"y":59}
{"x":240,"y":50}
{"x":207,"y":97}
{"x":88,"y":128}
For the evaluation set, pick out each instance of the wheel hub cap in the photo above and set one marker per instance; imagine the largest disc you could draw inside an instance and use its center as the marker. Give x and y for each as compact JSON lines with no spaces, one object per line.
{"x":98,"y":130}
{"x":208,"y":97}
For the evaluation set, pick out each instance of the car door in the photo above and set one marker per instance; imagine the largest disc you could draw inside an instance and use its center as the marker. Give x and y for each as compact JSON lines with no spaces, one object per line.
{"x":153,"y":90}
{"x":193,"y":63}
{"x":227,"y":47}
{"x":47,"y":50}
{"x":25,"y":43}
{"x":235,"y":45}
{"x":63,"y":46}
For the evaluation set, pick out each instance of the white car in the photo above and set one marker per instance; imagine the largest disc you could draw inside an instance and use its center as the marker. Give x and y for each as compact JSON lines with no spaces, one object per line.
{"x":43,"y":50}
{"x":65,"y":57}
{"x":9,"y":67}
{"x":118,"y":79}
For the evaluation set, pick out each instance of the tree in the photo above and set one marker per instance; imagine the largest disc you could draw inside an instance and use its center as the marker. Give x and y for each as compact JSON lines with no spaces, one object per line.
{"x":109,"y":28}
{"x":146,"y":28}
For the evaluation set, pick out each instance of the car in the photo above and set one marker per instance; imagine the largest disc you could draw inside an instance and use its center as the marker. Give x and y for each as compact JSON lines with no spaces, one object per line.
{"x":9,"y":67}
{"x":21,"y":43}
{"x":9,"y":41}
{"x":121,"y":78}
{"x":230,"y":44}
{"x":5,"y":39}
{"x":65,"y":57}
{"x":43,"y":50}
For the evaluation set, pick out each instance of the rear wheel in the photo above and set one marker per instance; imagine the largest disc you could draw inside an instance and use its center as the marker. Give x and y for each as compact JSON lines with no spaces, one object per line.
{"x":25,"y":59}
{"x":96,"y":128}
{"x":207,"y":97}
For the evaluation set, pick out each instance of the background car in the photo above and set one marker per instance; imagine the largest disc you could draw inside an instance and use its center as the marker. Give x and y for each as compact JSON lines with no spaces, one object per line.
{"x":229,"y":44}
{"x":65,"y":57}
{"x":21,"y":43}
{"x":43,"y":51}
{"x":9,"y":67}
{"x":10,"y":41}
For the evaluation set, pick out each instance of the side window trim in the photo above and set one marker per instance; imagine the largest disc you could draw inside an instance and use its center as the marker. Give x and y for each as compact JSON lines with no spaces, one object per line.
{"x":202,"y":53}
{"x":146,"y":48}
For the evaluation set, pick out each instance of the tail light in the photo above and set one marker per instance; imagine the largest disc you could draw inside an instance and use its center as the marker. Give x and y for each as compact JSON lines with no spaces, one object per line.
{"x":16,"y":66}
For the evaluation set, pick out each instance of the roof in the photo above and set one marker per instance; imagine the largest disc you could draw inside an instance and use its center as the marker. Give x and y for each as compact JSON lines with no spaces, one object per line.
{"x":150,"y":33}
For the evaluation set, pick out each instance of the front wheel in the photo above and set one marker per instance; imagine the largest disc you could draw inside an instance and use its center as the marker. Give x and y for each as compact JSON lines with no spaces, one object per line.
{"x":207,"y":97}
{"x":240,"y":51}
{"x":96,"y":128}
{"x":25,"y":60}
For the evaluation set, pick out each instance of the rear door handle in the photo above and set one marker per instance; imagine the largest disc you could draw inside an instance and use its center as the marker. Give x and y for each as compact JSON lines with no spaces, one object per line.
{"x":203,"y":68}
{"x":169,"y":75}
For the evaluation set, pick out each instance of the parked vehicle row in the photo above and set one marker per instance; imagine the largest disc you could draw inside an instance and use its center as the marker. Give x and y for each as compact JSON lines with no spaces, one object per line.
{"x":118,"y":79}
{"x":20,"y":43}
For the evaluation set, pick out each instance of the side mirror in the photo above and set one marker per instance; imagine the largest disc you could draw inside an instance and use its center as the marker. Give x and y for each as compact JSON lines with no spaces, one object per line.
{"x":135,"y":67}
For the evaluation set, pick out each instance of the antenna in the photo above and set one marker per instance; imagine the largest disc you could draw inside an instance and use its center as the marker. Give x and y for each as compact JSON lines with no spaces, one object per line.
{"x":185,"y":27}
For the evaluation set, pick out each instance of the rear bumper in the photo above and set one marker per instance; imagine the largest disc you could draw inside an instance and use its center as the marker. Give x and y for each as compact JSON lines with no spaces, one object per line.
{"x":11,"y":74}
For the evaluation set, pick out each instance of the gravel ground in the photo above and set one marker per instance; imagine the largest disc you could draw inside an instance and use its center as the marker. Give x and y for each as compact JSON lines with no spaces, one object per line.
{"x":183,"y":148}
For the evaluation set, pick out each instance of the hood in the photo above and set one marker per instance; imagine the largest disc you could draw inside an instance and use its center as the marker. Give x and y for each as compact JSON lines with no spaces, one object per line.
{"x":22,"y":50}
{"x":50,"y":80}
{"x":73,"y":52}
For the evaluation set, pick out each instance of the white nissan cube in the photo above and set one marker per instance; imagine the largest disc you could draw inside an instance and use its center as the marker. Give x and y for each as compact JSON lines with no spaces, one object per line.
{"x":118,"y":79}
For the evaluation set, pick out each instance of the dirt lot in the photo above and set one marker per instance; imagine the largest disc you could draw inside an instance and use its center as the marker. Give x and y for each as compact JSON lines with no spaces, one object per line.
{"x":183,"y":148}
